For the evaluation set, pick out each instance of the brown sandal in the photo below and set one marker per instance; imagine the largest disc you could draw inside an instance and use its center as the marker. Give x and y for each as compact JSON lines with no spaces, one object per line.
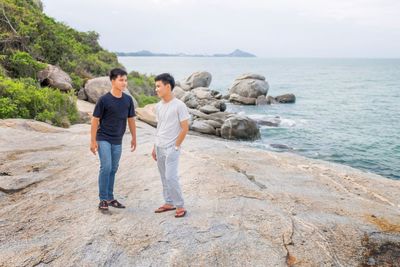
{"x":164,"y":208}
{"x":180,"y":213}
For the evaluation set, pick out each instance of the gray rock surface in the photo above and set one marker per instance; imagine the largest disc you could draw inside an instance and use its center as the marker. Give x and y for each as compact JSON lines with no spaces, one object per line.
{"x":250,"y":85}
{"x":235,"y":98}
{"x":178,"y":92}
{"x":97,"y":87}
{"x":197,"y":79}
{"x":261,"y":100}
{"x":286,"y":98}
{"x":147,"y":114}
{"x":208,"y":109}
{"x":239,"y":127}
{"x":271,"y":100}
{"x":55,"y":77}
{"x":202,"y":127}
{"x":82,"y":95}
{"x":202,"y":93}
{"x":246,"y":206}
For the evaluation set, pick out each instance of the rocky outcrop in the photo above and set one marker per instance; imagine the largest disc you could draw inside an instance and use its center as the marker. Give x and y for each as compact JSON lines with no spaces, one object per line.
{"x":97,"y":87}
{"x":238,"y":127}
{"x":55,"y":77}
{"x":252,"y":89}
{"x":246,"y":206}
{"x":261,"y":100}
{"x":82,"y":95}
{"x":286,"y":98}
{"x":202,"y":127}
{"x":197,"y":79}
{"x":249,"y":86}
{"x":235,"y":98}
{"x":147,"y":114}
{"x":208,"y":108}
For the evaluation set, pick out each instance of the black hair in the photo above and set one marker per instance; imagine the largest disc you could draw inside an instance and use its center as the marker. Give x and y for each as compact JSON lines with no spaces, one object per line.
{"x":166,"y":78}
{"x":114,"y":73}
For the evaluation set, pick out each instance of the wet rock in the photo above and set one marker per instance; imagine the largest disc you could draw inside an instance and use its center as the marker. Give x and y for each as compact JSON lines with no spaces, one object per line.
{"x":238,"y":127}
{"x":286,"y":98}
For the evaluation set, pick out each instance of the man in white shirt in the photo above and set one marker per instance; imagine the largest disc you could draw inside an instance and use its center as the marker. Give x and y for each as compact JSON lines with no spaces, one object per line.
{"x":172,"y":126}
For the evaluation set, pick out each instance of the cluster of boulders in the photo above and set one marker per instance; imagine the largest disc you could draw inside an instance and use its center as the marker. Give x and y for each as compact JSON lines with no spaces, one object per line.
{"x":252,"y":89}
{"x":206,"y":106}
{"x":55,"y":77}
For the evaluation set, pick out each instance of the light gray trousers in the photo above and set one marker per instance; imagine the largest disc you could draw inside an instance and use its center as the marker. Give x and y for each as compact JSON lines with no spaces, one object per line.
{"x":167,"y":162}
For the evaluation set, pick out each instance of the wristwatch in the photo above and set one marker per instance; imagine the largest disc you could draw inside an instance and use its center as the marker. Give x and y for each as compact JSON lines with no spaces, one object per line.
{"x":176,"y":148}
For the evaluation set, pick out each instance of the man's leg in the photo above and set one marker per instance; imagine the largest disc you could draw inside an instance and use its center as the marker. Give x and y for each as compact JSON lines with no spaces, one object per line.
{"x":161,"y":161}
{"x":104,"y":151}
{"x":115,"y":157}
{"x":172,"y":178}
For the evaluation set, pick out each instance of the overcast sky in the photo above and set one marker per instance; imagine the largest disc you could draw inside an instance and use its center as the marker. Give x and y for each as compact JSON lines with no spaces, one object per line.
{"x":274,"y":28}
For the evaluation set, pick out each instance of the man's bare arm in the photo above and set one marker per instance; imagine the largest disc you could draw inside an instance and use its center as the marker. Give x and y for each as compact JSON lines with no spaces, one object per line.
{"x":93,"y":132}
{"x":132,"y":129}
{"x":182,"y":134}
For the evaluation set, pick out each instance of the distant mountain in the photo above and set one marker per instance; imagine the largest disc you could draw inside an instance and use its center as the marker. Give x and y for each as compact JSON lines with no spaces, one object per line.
{"x":146,"y":53}
{"x":236,"y":53}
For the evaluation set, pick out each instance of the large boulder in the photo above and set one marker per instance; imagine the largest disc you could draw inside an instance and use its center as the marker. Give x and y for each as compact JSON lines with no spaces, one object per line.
{"x":197,"y":79}
{"x":218,"y":116}
{"x":202,"y":127}
{"x":286,"y":98}
{"x":190,"y":100}
{"x":250,"y":85}
{"x":202,"y":93}
{"x":147,"y":114}
{"x":235,"y":98}
{"x":178,"y":92}
{"x":220,"y":105}
{"x":55,"y":77}
{"x":97,"y":87}
{"x":238,"y":127}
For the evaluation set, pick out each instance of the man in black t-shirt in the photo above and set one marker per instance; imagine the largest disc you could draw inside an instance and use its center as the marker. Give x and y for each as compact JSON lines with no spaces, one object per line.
{"x":110,"y":114}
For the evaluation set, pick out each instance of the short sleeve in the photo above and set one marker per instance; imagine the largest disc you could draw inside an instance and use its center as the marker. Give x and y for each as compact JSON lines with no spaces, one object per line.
{"x":98,"y":109}
{"x":183,"y":113}
{"x":131,"y":112}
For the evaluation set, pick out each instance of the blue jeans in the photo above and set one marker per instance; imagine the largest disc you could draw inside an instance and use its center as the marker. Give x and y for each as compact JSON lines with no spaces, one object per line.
{"x":109,"y":155}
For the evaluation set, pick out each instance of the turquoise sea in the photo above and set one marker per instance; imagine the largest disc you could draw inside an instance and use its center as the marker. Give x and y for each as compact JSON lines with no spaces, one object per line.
{"x":346,"y":111}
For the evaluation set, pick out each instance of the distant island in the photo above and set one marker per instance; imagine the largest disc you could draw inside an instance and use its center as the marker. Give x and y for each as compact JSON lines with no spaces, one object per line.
{"x":145,"y":53}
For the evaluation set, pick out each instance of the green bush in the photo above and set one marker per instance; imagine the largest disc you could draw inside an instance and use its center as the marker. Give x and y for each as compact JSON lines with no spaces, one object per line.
{"x":141,"y":84}
{"x":21,"y":64}
{"x":46,"y":40}
{"x":25,"y":99}
{"x":144,"y":100}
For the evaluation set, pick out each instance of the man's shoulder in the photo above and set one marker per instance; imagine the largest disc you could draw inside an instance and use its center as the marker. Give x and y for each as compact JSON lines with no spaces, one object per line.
{"x":127,"y":97}
{"x":104,"y":97}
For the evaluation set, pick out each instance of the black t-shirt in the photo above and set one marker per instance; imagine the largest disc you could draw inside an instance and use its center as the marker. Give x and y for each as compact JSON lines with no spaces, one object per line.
{"x":113,"y":113}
